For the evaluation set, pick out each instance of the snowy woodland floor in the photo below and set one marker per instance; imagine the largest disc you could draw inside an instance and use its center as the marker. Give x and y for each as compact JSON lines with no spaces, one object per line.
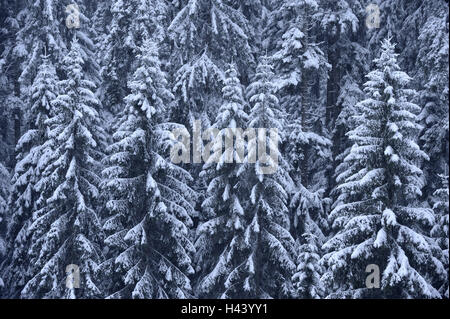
{"x":93,"y":204}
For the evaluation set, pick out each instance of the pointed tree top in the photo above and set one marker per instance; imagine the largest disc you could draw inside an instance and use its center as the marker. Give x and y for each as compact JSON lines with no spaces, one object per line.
{"x":388,"y":57}
{"x":231,"y":70}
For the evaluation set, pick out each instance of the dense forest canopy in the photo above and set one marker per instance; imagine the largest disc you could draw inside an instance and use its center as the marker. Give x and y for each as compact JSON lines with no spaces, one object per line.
{"x":355,"y":93}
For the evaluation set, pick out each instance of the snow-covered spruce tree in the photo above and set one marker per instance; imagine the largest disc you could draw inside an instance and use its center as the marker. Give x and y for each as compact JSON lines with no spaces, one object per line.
{"x":116,"y":45}
{"x":402,"y":24}
{"x":377,"y":216}
{"x":310,"y":225}
{"x":129,"y":21}
{"x":39,"y":28}
{"x":42,"y":29}
{"x":256,"y":13}
{"x":207,"y":35}
{"x":33,"y":27}
{"x":266,"y":262}
{"x":350,"y":94}
{"x":343,"y":31}
{"x":4,"y":193}
{"x":220,"y":243}
{"x":306,"y":280}
{"x":299,"y":61}
{"x":66,"y":230}
{"x":308,"y":202}
{"x":151,"y":16}
{"x":101,"y":20}
{"x":440,"y":229}
{"x":27,"y":172}
{"x":297,"y":58}
{"x":346,"y":41}
{"x":342,"y":27}
{"x":348,"y":99}
{"x":150,"y":203}
{"x":9,"y":87}
{"x":86,"y":34}
{"x":432,"y":75}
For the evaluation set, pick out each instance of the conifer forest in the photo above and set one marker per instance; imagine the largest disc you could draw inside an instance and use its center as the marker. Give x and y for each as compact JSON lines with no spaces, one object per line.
{"x":224,"y":149}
